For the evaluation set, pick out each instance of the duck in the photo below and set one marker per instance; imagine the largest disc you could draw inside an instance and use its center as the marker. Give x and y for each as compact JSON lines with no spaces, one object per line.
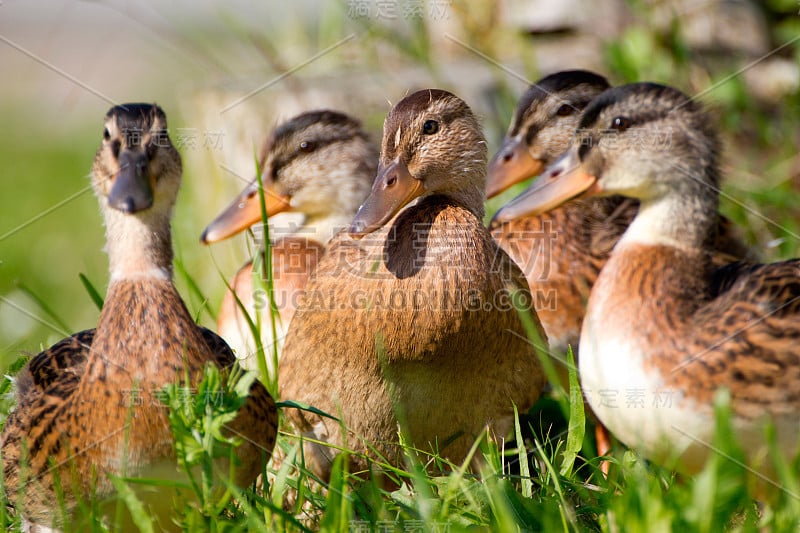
{"x":320,"y":164}
{"x":542,"y":126}
{"x":410,"y":320}
{"x":87,"y":408}
{"x":663,"y":322}
{"x":562,"y":251}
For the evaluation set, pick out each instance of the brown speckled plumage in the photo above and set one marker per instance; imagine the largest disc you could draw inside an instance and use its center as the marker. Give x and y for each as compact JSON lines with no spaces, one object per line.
{"x":87,"y":407}
{"x":407,"y":325}
{"x":561,"y":253}
{"x":63,"y":361}
{"x":661,"y":316}
{"x":735,"y":326}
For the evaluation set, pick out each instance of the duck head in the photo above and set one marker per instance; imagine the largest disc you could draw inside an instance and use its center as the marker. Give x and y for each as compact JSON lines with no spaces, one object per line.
{"x":319,"y":163}
{"x":432,"y":145}
{"x":542,"y":127}
{"x":136,"y":169}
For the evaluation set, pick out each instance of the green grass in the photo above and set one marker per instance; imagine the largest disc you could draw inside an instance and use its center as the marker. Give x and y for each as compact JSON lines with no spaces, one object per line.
{"x":549,"y":482}
{"x":39,"y":261}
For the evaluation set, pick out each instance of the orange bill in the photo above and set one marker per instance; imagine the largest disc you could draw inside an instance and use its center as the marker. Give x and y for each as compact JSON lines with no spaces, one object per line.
{"x":562,"y":181}
{"x":511,"y":164}
{"x":243,"y":212}
{"x":393,"y":189}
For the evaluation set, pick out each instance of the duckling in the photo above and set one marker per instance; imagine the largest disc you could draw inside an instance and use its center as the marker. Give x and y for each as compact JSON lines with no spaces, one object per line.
{"x":408,"y":320}
{"x":321,"y":164}
{"x":87,"y":408}
{"x":662,"y":321}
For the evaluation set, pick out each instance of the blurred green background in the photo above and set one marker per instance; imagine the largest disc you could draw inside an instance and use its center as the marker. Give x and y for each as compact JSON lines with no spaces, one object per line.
{"x":226,"y":73}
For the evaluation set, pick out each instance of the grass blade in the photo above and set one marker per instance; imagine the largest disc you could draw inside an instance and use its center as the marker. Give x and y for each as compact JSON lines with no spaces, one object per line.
{"x":94,"y":294}
{"x":577,"y":419}
{"x":524,"y":467}
{"x":194,"y":290}
{"x":266,"y":270}
{"x":135,"y":507}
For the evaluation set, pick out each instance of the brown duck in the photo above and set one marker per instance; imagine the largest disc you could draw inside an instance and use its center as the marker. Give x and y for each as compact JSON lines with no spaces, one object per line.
{"x":563,"y":250}
{"x":662,"y":319}
{"x":407,"y":322}
{"x":321,"y":164}
{"x":87,"y":408}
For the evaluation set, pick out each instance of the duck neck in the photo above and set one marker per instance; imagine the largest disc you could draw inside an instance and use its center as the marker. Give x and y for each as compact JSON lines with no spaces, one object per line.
{"x":322,"y":228}
{"x":139,"y":246}
{"x":656,"y":278}
{"x":471,"y":198}
{"x":145,"y":329}
{"x":674,"y":220}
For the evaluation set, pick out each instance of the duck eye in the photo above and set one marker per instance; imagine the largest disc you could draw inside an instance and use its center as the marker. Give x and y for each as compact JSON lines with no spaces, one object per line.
{"x":564,"y":110}
{"x":620,"y":123}
{"x":307,"y":146}
{"x":430,"y":127}
{"x":106,"y":134}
